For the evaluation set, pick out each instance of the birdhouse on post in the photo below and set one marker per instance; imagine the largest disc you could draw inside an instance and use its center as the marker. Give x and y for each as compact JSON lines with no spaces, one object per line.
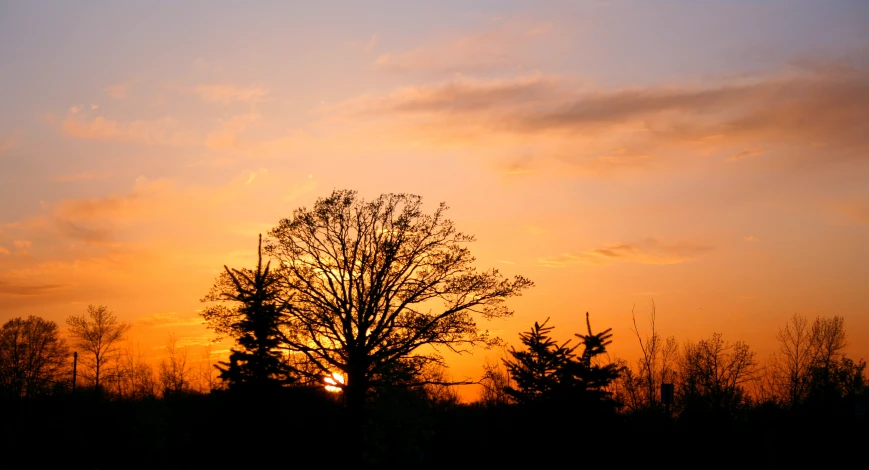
{"x":667,"y":395}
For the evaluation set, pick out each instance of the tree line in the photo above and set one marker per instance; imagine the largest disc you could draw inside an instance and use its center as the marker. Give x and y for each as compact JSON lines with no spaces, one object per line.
{"x":361,"y":295}
{"x":348,"y":313}
{"x":36,"y":361}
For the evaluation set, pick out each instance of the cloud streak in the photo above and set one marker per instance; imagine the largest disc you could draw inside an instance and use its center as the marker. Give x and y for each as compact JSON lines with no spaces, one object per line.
{"x":28,"y":290}
{"x":649,"y":251}
{"x":816,"y":114}
{"x":498,"y":46}
{"x":167,"y":320}
{"x":226,"y":94}
{"x":163,"y":131}
{"x":83,"y":176}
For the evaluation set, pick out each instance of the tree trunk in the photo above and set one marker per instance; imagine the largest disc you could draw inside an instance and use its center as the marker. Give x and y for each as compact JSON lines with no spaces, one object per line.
{"x":357,"y":388}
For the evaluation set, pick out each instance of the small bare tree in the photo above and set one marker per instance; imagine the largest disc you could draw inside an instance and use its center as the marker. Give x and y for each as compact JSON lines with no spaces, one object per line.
{"x":97,"y":334}
{"x":713,"y":374}
{"x":174,"y":373}
{"x":494,"y":384}
{"x":205,"y":371}
{"x":135,"y":377}
{"x":806,"y":356}
{"x":639,"y":388}
{"x":438,"y":387}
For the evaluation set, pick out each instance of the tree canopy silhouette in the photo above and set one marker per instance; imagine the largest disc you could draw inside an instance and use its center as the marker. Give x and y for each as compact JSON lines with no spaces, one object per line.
{"x":33,"y":357}
{"x":370,"y":283}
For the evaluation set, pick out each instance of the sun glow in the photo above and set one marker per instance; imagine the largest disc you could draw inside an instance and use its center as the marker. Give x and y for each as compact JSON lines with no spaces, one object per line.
{"x":334,"y":382}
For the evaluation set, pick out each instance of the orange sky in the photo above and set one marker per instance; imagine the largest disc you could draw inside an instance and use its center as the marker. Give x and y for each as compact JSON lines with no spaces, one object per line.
{"x":710,"y":156}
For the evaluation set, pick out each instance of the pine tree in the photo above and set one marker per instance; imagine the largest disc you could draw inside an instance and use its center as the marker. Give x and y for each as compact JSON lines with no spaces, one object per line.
{"x":542,"y":371}
{"x":590,"y":378}
{"x":547,"y":371}
{"x":257,"y":363}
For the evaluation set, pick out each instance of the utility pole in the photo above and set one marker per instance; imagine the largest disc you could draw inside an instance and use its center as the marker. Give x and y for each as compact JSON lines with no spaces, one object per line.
{"x":74,"y":364}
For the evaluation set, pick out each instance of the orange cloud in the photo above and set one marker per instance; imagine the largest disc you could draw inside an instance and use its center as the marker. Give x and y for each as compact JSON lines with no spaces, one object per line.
{"x":650,"y":251}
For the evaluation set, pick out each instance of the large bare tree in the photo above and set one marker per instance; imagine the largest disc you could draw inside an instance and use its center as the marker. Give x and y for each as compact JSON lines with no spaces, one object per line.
{"x":375,"y":287}
{"x":98,"y":334}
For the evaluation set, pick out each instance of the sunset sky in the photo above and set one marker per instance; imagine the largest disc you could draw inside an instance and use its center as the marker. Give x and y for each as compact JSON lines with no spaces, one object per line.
{"x":712,"y":156}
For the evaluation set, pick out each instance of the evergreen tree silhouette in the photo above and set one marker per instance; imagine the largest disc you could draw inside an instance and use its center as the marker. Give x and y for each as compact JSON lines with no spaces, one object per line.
{"x":258,"y":363}
{"x":541,"y":371}
{"x":591,"y":379}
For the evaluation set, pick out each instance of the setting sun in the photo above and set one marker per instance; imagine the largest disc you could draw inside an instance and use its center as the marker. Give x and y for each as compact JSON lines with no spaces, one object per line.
{"x":334,"y":383}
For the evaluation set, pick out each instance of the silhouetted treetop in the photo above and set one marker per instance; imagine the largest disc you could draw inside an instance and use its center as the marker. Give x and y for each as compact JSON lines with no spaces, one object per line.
{"x":546,"y":370}
{"x":542,"y":370}
{"x":251,"y":310}
{"x":97,"y":334}
{"x":371,"y":282}
{"x":33,"y":357}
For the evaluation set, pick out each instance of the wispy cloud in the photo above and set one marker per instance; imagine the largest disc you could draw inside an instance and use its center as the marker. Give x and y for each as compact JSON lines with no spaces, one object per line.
{"x":226,"y":94}
{"x":744,"y":154}
{"x":649,"y":251}
{"x":499,"y":46}
{"x":118,"y":91}
{"x":371,"y":43}
{"x":167,"y":320}
{"x":459,"y":95}
{"x":230,"y":129}
{"x":856,"y":210}
{"x":8,"y":143}
{"x":92,"y":220}
{"x":202,"y":63}
{"x":817,"y":115}
{"x":83,"y":176}
{"x":12,"y":289}
{"x":164,"y":131}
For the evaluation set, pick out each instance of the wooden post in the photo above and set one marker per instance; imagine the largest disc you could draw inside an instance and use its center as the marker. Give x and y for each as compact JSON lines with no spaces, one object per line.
{"x":74,"y":364}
